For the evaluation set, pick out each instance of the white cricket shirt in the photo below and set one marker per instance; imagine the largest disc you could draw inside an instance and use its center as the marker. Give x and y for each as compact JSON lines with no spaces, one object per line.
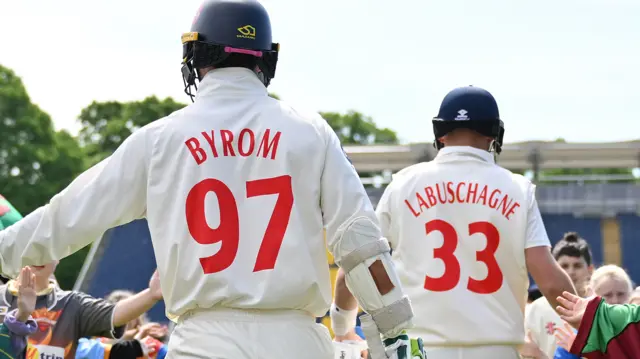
{"x":236,"y":188}
{"x":542,"y":320}
{"x":458,"y":226}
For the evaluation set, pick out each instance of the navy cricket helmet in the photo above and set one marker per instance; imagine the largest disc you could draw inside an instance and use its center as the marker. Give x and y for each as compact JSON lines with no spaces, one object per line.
{"x":224,"y":27}
{"x":472,"y":108}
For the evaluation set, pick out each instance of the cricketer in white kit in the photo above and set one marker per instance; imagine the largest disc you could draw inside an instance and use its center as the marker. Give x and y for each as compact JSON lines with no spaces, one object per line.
{"x":463,"y":232}
{"x":236,"y":189}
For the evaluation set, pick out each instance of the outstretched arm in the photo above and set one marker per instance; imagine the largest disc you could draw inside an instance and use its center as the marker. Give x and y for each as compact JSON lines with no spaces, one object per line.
{"x":546,"y":272}
{"x":109,"y":194}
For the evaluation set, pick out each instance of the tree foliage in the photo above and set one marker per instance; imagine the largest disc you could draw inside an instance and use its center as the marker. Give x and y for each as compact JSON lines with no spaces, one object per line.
{"x":36,"y":162}
{"x":105,"y":125}
{"x":354,"y":128}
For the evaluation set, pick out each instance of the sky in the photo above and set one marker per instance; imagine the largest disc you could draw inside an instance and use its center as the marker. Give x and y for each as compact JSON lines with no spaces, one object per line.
{"x":568,"y":68}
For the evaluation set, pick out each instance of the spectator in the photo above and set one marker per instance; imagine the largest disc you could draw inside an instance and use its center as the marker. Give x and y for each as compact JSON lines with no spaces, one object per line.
{"x":140,"y":339}
{"x":609,"y":282}
{"x":18,"y":323}
{"x":612,"y":283}
{"x":63,"y":317}
{"x":606,"y":331}
{"x":574,"y":256}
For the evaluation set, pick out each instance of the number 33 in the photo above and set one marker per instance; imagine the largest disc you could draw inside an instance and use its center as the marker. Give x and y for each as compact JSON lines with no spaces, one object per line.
{"x":451,"y":276}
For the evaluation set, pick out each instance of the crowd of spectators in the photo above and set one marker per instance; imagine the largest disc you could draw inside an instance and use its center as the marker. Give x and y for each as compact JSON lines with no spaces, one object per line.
{"x":547,"y":335}
{"x":41,"y":320}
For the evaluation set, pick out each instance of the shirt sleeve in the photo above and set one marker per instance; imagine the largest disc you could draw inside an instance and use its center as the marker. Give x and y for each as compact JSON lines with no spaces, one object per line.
{"x":109,"y":194}
{"x":383,"y":212}
{"x":605,"y":328}
{"x":342,"y":195}
{"x":18,"y":332}
{"x":536,"y":233}
{"x":95,"y":317}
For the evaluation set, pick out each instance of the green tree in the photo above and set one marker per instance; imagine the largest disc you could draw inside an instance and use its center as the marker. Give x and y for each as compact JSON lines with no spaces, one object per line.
{"x":36,"y":162}
{"x":105,"y":125}
{"x":354,"y":128}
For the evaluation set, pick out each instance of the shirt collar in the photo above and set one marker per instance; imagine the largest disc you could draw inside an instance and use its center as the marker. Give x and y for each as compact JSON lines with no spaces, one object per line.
{"x":451,"y":151}
{"x":235,"y":80}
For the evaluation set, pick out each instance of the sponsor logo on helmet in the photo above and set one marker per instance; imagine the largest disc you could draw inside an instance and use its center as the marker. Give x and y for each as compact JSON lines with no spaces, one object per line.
{"x":247,"y":32}
{"x":462,"y":115}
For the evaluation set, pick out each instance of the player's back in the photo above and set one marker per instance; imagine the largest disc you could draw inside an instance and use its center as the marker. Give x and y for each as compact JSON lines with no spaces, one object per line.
{"x":457,"y":227}
{"x":233,"y":201}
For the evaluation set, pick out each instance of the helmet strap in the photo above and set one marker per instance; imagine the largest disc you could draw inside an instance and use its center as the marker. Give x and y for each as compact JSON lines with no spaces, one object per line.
{"x":493,"y":148}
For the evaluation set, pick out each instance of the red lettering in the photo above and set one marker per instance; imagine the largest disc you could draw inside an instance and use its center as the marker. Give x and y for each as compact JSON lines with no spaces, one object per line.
{"x":483,"y":196}
{"x":505,"y":205}
{"x":452,"y":192}
{"x":267,"y":146}
{"x":493,"y":201}
{"x":252,"y":142}
{"x":227,"y":145}
{"x":512,"y":210}
{"x":196,"y":151}
{"x":413,"y":211}
{"x":473,"y":191}
{"x":421,"y":203}
{"x":442,"y":200}
{"x":452,"y":196}
{"x":212,"y":142}
{"x":458,"y":188}
{"x":430,"y":196}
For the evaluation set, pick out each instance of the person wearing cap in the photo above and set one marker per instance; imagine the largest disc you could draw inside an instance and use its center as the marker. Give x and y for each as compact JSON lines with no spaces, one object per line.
{"x":464,"y":233}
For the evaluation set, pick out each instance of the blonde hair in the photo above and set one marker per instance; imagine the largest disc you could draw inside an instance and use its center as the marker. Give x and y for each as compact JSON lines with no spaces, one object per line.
{"x":609,"y":271}
{"x":634,"y":298}
{"x":118,"y":295}
{"x":121,"y":294}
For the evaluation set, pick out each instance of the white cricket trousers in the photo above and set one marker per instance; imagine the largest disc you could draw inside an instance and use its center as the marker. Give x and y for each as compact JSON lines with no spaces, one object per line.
{"x":249,"y":334}
{"x":479,"y":352}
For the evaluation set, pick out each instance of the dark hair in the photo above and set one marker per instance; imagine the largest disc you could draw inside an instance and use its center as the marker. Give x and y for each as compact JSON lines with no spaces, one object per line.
{"x":572,"y":245}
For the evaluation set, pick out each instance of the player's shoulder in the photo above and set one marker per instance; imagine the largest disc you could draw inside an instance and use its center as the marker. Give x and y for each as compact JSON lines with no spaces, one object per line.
{"x":407,"y":174}
{"x":519,"y":181}
{"x":155,"y":128}
{"x":413,"y":170}
{"x":302,"y":115}
{"x":306,"y":122}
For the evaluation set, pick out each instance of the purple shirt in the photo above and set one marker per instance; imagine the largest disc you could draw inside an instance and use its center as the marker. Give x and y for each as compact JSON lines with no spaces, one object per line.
{"x":19,"y":330}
